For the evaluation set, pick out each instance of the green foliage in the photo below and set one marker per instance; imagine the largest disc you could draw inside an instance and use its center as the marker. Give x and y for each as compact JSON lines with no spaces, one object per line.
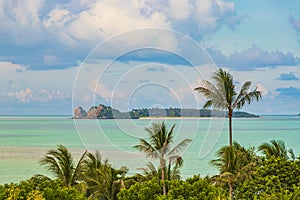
{"x":191,"y":189}
{"x":272,"y":176}
{"x":282,"y":195}
{"x":201,"y":189}
{"x":141,"y":191}
{"x":39,"y":188}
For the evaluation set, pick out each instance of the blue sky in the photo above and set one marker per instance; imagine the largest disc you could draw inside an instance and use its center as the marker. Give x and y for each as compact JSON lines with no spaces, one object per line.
{"x":145,"y":53}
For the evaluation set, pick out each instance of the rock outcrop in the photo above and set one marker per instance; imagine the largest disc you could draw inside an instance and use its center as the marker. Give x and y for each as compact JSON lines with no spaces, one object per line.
{"x":79,"y":113}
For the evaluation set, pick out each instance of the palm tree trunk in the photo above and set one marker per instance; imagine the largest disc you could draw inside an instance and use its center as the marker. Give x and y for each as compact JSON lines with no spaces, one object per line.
{"x":230,"y":188}
{"x":169,"y":172}
{"x":163,"y":169}
{"x":230,"y":127}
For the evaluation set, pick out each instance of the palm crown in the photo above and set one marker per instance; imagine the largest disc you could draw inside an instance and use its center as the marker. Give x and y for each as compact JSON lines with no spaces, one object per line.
{"x":223,"y":96}
{"x":159,"y":147}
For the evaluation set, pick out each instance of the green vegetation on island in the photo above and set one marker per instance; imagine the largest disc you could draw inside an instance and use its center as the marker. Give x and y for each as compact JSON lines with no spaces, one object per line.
{"x":106,"y":112}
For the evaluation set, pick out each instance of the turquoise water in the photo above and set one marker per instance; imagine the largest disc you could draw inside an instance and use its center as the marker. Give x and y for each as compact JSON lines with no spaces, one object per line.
{"x":25,"y":139}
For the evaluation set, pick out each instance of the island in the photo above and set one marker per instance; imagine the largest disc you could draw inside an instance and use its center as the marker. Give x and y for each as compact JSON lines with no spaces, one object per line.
{"x":106,"y":112}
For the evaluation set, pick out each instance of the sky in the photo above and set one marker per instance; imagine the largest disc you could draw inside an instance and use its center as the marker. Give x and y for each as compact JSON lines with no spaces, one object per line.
{"x":58,"y":55}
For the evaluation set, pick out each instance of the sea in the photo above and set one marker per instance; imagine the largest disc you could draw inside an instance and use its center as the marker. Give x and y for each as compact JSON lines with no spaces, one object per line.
{"x":24,"y":140}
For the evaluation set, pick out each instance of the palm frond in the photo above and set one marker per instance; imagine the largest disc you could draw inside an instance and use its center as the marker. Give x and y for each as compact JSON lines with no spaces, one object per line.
{"x":215,"y":96}
{"x":147,"y":148}
{"x":245,"y":96}
{"x":80,"y":168}
{"x":274,"y":148}
{"x":179,"y":147}
{"x":150,"y":171}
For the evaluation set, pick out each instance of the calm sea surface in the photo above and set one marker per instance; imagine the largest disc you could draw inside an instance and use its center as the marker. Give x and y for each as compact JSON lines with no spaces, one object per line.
{"x":25,"y":139}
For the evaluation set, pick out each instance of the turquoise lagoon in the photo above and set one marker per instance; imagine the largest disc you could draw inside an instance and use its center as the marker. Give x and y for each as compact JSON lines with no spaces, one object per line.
{"x":25,"y":139}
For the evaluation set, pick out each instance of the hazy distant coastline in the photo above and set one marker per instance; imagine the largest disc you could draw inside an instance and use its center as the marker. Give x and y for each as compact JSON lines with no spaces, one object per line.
{"x":106,"y":112}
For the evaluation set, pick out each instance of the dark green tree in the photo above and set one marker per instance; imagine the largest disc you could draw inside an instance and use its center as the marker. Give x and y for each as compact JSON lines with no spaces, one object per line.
{"x":194,"y":188}
{"x":159,"y":147}
{"x":39,"y":188}
{"x":223,"y":96}
{"x":273,"y":178}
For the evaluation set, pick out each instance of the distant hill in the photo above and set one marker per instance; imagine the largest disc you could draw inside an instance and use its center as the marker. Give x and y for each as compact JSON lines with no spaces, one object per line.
{"x":106,"y":112}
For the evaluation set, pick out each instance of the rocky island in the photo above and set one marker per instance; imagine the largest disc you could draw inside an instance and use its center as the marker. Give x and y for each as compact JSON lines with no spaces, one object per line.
{"x":106,"y":112}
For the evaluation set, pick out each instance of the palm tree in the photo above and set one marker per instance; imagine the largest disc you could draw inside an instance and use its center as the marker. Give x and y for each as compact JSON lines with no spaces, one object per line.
{"x":60,"y":162}
{"x":277,"y":149}
{"x":91,"y":176}
{"x":227,"y":164}
{"x":223,"y":96}
{"x":103,"y":181}
{"x":151,"y":172}
{"x":174,"y":173}
{"x":234,"y":163}
{"x":159,"y":147}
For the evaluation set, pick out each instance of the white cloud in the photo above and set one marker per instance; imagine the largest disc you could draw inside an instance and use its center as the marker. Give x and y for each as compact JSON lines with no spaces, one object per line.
{"x":26,"y":20}
{"x":187,"y":92}
{"x":101,"y":20}
{"x":101,"y":90}
{"x":23,"y":95}
{"x":262,"y":89}
{"x":20,"y":20}
{"x":26,"y":95}
{"x":76,"y":27}
{"x":23,"y":85}
{"x":253,"y":57}
{"x":8,"y":67}
{"x":179,"y":9}
{"x":211,"y":14}
{"x":57,"y":18}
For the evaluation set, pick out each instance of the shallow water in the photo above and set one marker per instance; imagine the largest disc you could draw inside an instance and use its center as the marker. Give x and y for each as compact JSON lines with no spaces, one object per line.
{"x":25,"y":139}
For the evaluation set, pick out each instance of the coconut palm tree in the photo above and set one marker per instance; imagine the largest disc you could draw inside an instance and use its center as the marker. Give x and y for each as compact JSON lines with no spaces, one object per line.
{"x":150,"y":172}
{"x":159,"y":147}
{"x":223,"y":95}
{"x":60,"y":162}
{"x":227,"y":164}
{"x":92,"y":178}
{"x":277,"y":149}
{"x":174,"y":173}
{"x":103,"y":181}
{"x":234,"y":163}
